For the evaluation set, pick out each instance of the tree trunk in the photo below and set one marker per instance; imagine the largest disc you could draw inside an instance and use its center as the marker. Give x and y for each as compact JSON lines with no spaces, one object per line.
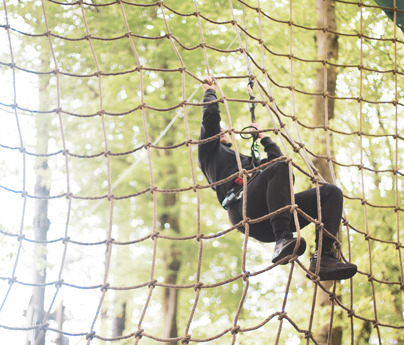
{"x":323,"y":106}
{"x":118,"y":323}
{"x":41,"y":222}
{"x":323,"y":110}
{"x":172,"y":257}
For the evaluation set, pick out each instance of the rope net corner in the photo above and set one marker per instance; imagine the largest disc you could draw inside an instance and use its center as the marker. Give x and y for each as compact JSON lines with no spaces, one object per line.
{"x":110,"y":233}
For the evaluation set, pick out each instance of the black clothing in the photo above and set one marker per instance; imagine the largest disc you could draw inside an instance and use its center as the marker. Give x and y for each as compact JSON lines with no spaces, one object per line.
{"x":218,"y":161}
{"x":268,"y":191}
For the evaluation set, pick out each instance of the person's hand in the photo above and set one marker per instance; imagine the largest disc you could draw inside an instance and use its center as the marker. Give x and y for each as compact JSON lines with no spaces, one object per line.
{"x":257,"y":127}
{"x":208,"y":83}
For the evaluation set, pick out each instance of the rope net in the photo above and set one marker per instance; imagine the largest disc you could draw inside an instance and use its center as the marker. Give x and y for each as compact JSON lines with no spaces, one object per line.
{"x":110,"y":226}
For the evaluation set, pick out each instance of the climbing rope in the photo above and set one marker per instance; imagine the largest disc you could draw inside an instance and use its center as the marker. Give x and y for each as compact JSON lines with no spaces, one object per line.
{"x":256,"y":53}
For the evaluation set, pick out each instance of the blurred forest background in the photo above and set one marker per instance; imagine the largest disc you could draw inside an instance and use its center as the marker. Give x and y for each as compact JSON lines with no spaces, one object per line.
{"x":100,"y":108}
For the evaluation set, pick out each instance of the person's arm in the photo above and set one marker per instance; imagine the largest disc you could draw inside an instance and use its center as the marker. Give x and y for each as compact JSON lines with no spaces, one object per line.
{"x":271,"y":148}
{"x":210,"y":125}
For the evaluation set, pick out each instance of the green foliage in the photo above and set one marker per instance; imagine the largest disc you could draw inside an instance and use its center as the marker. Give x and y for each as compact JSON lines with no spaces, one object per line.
{"x":107,"y":117}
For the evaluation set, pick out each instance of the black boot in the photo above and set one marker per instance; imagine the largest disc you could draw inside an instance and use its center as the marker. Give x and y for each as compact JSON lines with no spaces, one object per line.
{"x":285,"y":247}
{"x":331,"y":268}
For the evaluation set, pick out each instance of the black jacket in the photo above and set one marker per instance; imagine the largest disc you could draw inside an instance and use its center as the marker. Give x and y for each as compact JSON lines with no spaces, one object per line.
{"x":218,"y":161}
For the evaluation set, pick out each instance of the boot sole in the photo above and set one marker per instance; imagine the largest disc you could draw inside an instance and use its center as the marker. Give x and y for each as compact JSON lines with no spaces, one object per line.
{"x":288,"y":250}
{"x":340,"y":274}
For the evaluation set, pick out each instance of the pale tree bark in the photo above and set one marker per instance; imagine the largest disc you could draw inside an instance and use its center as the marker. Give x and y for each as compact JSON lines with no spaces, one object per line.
{"x":323,"y":111}
{"x":172,"y":258}
{"x":41,"y":222}
{"x":326,"y":80}
{"x":118,"y":322}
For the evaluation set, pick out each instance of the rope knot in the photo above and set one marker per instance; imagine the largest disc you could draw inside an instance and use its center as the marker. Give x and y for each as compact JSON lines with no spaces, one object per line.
{"x":195,"y":187}
{"x":332,"y":297}
{"x":371,"y":277}
{"x":245,"y":221}
{"x":110,"y":241}
{"x":246,"y":275}
{"x":59,"y":283}
{"x":69,"y":195}
{"x":351,"y":313}
{"x":367,"y":237}
{"x":398,"y":245}
{"x":152,"y":283}
{"x":198,"y":286}
{"x":12,"y":280}
{"x":90,"y":336}
{"x":155,"y":235}
{"x":282,"y":315}
{"x":199,"y":237}
{"x":235,"y":330}
{"x":128,"y":34}
{"x":139,"y":333}
{"x":20,"y":237}
{"x":44,"y":327}
{"x":153,"y":189}
{"x":319,"y":225}
{"x":104,"y":287}
{"x":186,"y":339}
{"x":293,"y":207}
{"x":376,"y":323}
{"x":308,"y":334}
{"x":314,"y":278}
{"x":243,"y":172}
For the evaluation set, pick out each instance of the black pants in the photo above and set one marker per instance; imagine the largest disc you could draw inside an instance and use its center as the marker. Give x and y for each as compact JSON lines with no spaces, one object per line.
{"x":270,"y":191}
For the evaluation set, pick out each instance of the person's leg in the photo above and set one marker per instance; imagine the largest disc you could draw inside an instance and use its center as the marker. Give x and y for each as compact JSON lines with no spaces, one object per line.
{"x":331,"y":202}
{"x":267,"y":193}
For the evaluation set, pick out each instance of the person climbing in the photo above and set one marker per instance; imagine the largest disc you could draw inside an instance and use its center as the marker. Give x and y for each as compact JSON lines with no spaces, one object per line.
{"x":269,"y":190}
